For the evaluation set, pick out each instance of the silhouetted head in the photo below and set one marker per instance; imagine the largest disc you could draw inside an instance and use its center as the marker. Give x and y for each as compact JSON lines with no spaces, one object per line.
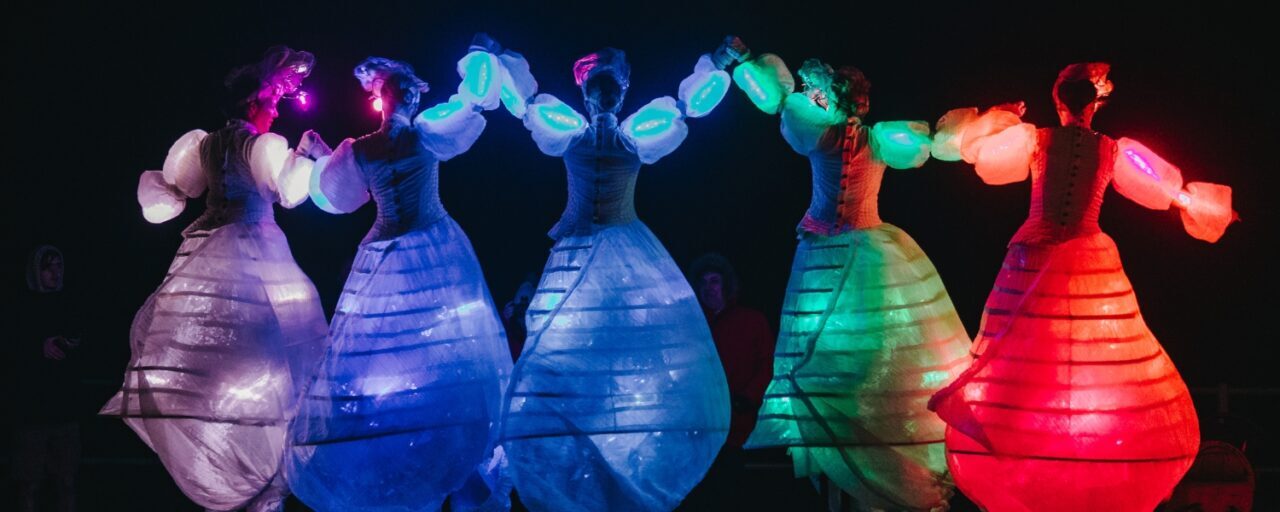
{"x":392,"y":84}
{"x":847,"y":86}
{"x":254,"y":90}
{"x":604,"y":77}
{"x":1081,"y":89}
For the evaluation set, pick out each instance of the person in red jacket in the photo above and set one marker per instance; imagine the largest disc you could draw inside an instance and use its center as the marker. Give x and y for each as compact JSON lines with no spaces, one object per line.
{"x":743,"y":339}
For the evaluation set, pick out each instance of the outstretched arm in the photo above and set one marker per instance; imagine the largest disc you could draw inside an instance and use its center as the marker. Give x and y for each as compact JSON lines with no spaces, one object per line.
{"x":452,"y":127}
{"x":996,"y":141}
{"x":658,"y":128}
{"x":552,"y":123}
{"x":1147,"y":179}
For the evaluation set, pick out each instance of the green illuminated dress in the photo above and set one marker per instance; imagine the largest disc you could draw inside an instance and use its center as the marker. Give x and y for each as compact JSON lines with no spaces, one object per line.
{"x":868,"y":331}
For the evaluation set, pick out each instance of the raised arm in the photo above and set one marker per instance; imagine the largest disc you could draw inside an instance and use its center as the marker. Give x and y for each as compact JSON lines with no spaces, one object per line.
{"x":453,"y":126}
{"x":1147,"y":179}
{"x":766,"y":81}
{"x":658,"y":128}
{"x":552,"y":123}
{"x":996,"y":141}
{"x":163,"y":194}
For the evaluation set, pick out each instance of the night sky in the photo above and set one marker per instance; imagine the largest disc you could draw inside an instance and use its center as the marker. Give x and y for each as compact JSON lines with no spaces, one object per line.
{"x":96,"y":95}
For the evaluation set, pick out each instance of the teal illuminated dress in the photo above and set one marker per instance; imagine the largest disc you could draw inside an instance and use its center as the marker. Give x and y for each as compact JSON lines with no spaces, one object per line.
{"x":868,"y":331}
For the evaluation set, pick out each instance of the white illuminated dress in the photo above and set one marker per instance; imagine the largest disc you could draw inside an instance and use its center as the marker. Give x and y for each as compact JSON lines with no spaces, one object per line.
{"x":221,"y":349}
{"x":618,"y":401}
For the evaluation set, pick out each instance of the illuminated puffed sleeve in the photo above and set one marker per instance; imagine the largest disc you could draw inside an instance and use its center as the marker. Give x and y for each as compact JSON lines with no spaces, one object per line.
{"x":703,"y":90}
{"x":656,"y":129}
{"x":997,"y":143}
{"x":518,"y":84}
{"x":901,"y":144}
{"x":482,"y":77}
{"x":337,"y":183}
{"x":163,"y":194}
{"x":160,"y":200}
{"x":804,"y":122}
{"x":1147,"y":179}
{"x":554,"y":124}
{"x":451,"y":128}
{"x":279,"y":170}
{"x":766,"y":81}
{"x":182,"y":165}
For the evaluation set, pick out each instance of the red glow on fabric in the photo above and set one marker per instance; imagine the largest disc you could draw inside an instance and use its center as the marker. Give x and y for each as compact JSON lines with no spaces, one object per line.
{"x":1071,"y":403}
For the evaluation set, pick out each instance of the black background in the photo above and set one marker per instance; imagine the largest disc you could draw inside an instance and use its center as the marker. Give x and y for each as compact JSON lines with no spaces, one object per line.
{"x":96,"y":94}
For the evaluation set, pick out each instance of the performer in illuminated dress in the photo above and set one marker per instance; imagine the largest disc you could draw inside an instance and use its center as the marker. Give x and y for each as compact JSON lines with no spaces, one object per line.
{"x":1071,"y":403}
{"x":222,"y":349}
{"x":404,"y":410}
{"x":868,"y":331}
{"x":618,"y":401}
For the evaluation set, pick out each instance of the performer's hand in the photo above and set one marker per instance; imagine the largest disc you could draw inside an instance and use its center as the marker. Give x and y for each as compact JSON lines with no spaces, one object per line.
{"x":481,"y":41}
{"x":729,"y":51}
{"x":52,"y":350}
{"x":737,"y":48}
{"x":1018,"y":108}
{"x":313,"y":146}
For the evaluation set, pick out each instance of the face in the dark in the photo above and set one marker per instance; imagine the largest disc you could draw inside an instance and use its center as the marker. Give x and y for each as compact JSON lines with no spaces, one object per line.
{"x":398,"y":99}
{"x":263,"y":111}
{"x":711,"y":290}
{"x":603,"y":94}
{"x":51,"y":272}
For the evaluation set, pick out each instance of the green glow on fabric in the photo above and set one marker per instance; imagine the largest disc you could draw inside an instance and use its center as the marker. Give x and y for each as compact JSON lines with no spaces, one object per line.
{"x":761,"y":88}
{"x":901,"y":144}
{"x":558,"y":117}
{"x":652,"y":122}
{"x":707,"y":94}
{"x":804,"y":107}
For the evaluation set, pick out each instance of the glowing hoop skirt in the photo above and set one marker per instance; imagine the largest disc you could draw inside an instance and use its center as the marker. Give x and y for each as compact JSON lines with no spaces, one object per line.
{"x":868,"y":334}
{"x":1070,"y":390}
{"x":618,"y":401}
{"x":400,"y":412}
{"x":220,"y":352}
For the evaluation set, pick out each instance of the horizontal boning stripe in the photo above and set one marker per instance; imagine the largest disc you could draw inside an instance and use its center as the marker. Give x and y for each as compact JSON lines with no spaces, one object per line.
{"x":1106,"y":295}
{"x":1068,"y":316}
{"x":838,"y":444}
{"x":1068,"y":459}
{"x":1073,"y":412}
{"x":1122,"y":340}
{"x":233,"y":298}
{"x":298,"y":441}
{"x":505,"y":438}
{"x":1075,"y":362}
{"x":243,"y":422}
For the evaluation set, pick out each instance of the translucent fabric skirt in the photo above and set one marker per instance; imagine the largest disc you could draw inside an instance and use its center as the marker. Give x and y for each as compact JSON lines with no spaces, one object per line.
{"x":618,"y":401}
{"x":868,"y":334}
{"x":1071,"y":403}
{"x":220,"y":353}
{"x":404,"y":408}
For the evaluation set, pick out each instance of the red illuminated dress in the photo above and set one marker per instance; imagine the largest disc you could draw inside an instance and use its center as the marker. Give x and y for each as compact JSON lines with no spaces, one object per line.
{"x":1071,"y":403}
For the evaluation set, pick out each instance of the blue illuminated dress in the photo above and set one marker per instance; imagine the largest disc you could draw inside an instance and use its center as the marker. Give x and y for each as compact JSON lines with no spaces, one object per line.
{"x":868,"y":331}
{"x":223,"y":347}
{"x":618,"y":401}
{"x":403,"y":412}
